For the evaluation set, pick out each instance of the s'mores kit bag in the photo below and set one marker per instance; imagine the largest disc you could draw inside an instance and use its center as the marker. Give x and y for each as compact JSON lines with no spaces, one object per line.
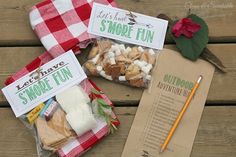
{"x":66,"y":112}
{"x":127,"y":45}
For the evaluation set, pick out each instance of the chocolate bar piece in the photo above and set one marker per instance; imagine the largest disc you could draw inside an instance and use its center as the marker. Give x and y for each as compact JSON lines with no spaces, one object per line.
{"x":51,"y":110}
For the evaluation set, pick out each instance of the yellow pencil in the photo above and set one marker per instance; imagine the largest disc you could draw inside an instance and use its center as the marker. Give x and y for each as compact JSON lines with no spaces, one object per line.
{"x":178,"y":119}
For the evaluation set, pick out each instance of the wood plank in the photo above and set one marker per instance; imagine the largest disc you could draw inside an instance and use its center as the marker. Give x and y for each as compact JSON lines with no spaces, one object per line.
{"x":216,"y":136}
{"x":217,"y":14}
{"x":223,"y":88}
{"x":16,"y":30}
{"x":14,"y":23}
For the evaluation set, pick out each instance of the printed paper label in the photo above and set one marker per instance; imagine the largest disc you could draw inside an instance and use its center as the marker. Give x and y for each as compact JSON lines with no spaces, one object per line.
{"x":44,"y":83}
{"x":127,"y":26}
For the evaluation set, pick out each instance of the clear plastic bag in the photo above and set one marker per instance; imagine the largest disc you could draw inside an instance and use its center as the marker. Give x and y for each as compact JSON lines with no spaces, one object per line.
{"x":57,"y":122}
{"x":121,"y":62}
{"x":50,"y":135}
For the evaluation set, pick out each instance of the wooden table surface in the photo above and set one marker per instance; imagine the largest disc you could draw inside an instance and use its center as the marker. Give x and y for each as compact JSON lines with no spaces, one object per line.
{"x":216,"y":136}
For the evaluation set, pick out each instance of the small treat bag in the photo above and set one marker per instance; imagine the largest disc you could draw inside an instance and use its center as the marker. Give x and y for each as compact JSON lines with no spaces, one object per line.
{"x":121,"y":62}
{"x":70,"y":123}
{"x":127,"y":45}
{"x":66,"y":112}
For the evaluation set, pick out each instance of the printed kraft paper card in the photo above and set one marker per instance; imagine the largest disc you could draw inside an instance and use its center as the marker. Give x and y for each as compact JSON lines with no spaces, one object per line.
{"x":173,"y":79}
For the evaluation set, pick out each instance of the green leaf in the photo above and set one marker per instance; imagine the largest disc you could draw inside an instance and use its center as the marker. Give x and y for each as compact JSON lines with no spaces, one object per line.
{"x":100,"y":111}
{"x":192,"y":48}
{"x":93,"y":90}
{"x":102,"y":108}
{"x":103,"y":103}
{"x":114,"y":126}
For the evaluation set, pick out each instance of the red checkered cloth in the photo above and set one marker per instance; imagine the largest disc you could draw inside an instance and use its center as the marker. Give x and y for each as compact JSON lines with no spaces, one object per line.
{"x":83,"y":143}
{"x":61,"y":25}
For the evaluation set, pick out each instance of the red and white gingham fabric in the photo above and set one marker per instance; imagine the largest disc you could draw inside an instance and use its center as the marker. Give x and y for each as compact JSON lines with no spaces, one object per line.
{"x":61,"y":25}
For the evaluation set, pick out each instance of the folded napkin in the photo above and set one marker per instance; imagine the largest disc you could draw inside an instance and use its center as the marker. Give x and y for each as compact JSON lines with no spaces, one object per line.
{"x":62,"y":25}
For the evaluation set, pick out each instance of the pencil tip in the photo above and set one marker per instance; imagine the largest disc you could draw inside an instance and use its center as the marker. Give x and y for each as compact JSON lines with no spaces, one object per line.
{"x":161,"y":151}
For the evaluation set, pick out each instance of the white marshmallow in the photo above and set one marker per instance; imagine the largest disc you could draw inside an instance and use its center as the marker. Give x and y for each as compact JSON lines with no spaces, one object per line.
{"x":136,"y":61}
{"x":140,"y":63}
{"x":122,"y":78}
{"x":72,"y":97}
{"x":112,"y":61}
{"x":118,"y":52}
{"x":110,"y":54}
{"x":113,"y":48}
{"x":148,"y":77}
{"x":140,"y":49}
{"x":128,"y":49}
{"x":117,"y":47}
{"x":99,"y":68}
{"x":149,"y":66}
{"x":79,"y":115}
{"x":81,"y":119}
{"x":147,"y":69}
{"x":95,"y":59}
{"x":102,"y":73}
{"x":143,"y":63}
{"x":151,"y":51}
{"x":122,"y":47}
{"x":109,"y":77}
